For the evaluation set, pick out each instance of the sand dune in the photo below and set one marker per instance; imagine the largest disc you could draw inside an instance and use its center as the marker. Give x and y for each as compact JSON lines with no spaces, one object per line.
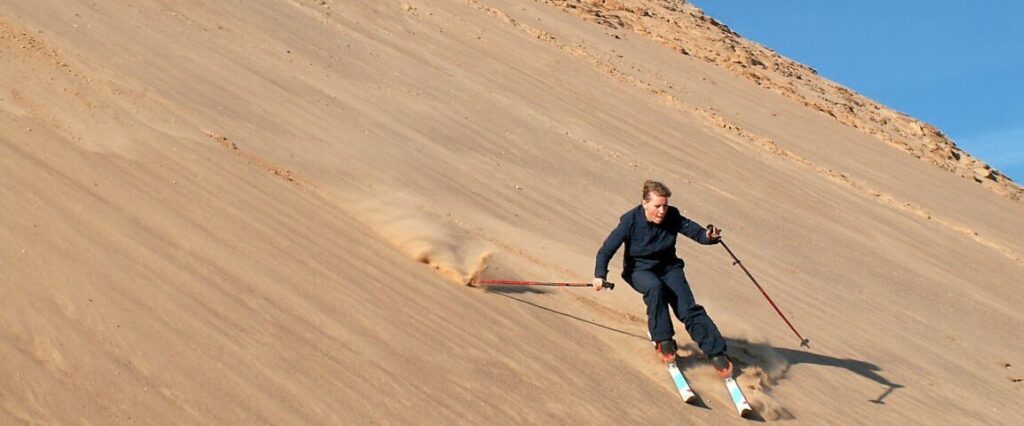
{"x":264,"y":212}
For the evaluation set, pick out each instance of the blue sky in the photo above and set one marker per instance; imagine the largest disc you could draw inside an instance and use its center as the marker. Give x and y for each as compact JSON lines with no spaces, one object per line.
{"x":958,"y":65}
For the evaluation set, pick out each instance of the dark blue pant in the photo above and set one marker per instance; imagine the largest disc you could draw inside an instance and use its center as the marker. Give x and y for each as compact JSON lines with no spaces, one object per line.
{"x":668,"y":287}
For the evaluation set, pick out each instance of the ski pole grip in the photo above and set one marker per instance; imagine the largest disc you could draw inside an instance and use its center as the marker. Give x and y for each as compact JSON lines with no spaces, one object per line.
{"x":710,"y":228}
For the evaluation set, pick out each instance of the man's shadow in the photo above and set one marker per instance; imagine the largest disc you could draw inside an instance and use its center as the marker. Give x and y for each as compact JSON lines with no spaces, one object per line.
{"x":746,"y":352}
{"x":750,"y":353}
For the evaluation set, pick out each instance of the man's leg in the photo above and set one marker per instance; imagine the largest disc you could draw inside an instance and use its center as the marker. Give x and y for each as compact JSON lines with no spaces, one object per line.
{"x":698,"y":324}
{"x":658,"y":321}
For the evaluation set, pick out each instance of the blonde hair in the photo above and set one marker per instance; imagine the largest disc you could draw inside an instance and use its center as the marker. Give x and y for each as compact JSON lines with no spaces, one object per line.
{"x":657,"y":188}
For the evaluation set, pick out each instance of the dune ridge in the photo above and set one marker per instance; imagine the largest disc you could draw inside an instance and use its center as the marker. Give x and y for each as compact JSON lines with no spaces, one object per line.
{"x":685,"y":29}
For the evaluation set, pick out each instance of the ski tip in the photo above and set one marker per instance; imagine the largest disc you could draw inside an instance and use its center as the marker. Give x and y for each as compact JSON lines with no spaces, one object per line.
{"x":747,"y":413}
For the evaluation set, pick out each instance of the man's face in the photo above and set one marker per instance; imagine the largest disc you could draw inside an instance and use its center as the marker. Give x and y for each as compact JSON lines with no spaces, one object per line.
{"x":655,"y":208}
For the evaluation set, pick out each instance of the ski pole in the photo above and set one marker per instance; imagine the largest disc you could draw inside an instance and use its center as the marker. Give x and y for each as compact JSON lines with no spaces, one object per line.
{"x":803,"y":342}
{"x":608,"y":285}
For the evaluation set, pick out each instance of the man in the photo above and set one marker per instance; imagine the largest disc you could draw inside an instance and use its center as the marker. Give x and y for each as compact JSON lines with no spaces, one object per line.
{"x":652,"y":268}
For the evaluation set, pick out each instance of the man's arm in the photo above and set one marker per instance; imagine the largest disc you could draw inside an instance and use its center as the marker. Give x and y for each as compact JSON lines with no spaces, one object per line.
{"x":698,"y":233}
{"x":610,"y":246}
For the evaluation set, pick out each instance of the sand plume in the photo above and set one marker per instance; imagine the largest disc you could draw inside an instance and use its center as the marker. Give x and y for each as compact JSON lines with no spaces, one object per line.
{"x":759,"y":367}
{"x":457,"y":255}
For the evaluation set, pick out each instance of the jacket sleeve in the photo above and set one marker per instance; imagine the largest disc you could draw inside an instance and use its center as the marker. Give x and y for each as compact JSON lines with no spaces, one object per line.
{"x":694,"y":231}
{"x":610,"y":246}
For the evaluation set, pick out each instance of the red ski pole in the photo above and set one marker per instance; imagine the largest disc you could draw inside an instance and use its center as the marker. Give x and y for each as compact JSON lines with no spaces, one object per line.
{"x":607,"y":285}
{"x":803,"y":342}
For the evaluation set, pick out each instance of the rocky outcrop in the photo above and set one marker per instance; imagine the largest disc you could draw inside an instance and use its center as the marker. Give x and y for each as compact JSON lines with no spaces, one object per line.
{"x":685,"y":28}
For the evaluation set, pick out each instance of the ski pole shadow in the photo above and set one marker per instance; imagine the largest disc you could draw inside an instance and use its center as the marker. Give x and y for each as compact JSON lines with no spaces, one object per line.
{"x":760,"y":354}
{"x":885,"y":394}
{"x":511,"y":289}
{"x":502,"y":293}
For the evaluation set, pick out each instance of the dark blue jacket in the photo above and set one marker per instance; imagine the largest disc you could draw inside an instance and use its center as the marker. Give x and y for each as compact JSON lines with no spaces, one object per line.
{"x":648,"y":245}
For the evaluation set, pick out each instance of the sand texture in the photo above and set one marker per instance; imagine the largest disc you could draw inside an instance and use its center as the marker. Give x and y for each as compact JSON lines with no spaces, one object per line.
{"x":267,"y":212}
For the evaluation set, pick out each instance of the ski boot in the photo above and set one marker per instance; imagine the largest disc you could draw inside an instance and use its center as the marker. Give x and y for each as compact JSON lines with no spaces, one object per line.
{"x":722,"y":364}
{"x":666,"y":350}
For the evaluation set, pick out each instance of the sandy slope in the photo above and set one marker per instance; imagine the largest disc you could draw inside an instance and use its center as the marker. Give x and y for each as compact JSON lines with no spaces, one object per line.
{"x":208,"y":214}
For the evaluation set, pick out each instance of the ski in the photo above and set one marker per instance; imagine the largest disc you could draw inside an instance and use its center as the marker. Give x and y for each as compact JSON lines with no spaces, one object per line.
{"x":685,"y":391}
{"x":682,"y":386}
{"x":738,"y":400}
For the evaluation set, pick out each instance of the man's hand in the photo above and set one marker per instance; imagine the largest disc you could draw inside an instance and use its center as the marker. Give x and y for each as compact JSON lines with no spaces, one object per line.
{"x":714,"y":234}
{"x":598,"y":284}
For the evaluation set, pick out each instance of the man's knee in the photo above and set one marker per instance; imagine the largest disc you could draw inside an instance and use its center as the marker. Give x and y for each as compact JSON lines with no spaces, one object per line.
{"x":643,"y":281}
{"x":650,"y":286}
{"x":655,"y":295}
{"x":676,"y":280}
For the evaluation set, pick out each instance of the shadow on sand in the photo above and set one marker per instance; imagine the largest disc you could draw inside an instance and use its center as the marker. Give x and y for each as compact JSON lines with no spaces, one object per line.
{"x":506,"y":291}
{"x":796,"y":356}
{"x":752,"y":351}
